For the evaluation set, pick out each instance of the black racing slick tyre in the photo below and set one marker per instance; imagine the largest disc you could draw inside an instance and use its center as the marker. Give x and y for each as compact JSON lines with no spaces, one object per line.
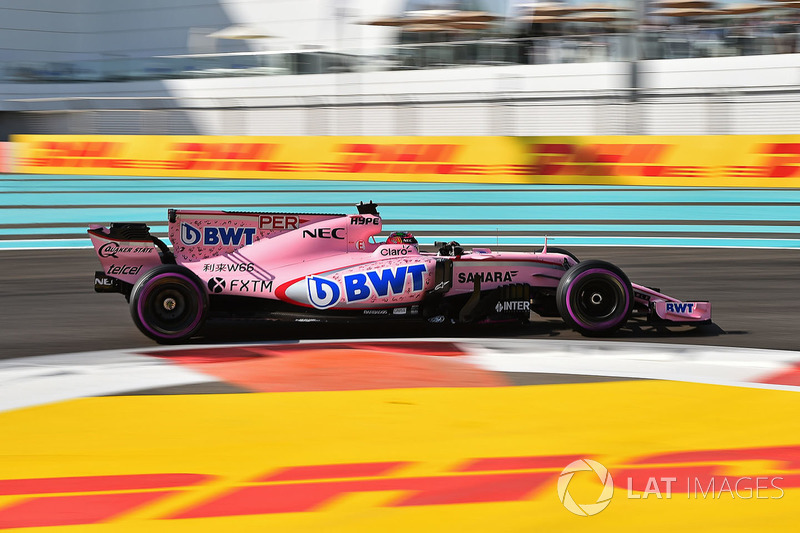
{"x":595,"y":298}
{"x":169,"y":304}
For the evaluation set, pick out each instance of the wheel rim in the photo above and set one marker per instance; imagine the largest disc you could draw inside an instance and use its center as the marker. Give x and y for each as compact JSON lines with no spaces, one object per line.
{"x":168,"y":309}
{"x":170,"y":306}
{"x":597,"y":300}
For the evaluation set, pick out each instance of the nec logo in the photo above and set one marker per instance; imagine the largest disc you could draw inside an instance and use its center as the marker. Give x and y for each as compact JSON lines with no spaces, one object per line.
{"x":214,"y":235}
{"x":679,"y":308}
{"x":324,"y":233}
{"x":324,"y":293}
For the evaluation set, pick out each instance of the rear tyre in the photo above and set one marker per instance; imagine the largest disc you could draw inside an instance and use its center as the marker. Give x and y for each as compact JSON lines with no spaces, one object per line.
{"x":595,"y":298}
{"x":169,"y":304}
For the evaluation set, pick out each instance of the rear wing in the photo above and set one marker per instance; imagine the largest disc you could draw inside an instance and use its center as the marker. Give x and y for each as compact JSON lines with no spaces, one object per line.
{"x":197,"y":235}
{"x":126,"y":251}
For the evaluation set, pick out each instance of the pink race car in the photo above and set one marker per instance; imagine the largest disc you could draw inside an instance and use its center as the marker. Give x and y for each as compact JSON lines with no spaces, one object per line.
{"x":311,"y":267}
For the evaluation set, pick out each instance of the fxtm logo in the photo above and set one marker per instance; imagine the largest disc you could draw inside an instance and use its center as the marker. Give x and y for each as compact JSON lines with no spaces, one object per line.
{"x":217,"y":285}
{"x":216,"y":235}
{"x":323,"y":292}
{"x":585,"y":509}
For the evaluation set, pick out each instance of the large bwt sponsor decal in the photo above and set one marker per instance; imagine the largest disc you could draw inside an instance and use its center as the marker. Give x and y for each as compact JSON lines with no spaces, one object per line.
{"x":215,"y":235}
{"x":323,"y":292}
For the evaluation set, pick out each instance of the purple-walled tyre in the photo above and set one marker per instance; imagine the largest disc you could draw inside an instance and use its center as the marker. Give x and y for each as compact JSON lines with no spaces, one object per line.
{"x":169,"y":304}
{"x":595,"y":298}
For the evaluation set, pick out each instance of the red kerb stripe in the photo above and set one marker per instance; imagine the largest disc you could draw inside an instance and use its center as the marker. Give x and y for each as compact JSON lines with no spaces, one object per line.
{"x":98,"y":483}
{"x":320,"y":472}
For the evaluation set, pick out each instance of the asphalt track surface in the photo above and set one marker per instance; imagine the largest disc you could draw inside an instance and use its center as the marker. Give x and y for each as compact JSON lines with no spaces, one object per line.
{"x":49,"y":306}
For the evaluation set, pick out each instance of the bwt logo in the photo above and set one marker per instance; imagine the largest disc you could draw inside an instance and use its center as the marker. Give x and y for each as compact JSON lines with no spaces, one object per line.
{"x":323,"y":292}
{"x":214,"y":235}
{"x":679,"y":308}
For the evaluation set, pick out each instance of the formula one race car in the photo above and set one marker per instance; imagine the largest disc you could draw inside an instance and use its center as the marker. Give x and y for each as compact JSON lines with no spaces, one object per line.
{"x":310,"y":267}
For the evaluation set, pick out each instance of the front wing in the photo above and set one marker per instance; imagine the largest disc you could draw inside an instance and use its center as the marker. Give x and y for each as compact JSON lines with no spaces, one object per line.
{"x":667,"y":309}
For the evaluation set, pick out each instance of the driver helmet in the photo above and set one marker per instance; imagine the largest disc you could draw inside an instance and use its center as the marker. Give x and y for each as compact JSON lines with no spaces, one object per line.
{"x":401,"y":237}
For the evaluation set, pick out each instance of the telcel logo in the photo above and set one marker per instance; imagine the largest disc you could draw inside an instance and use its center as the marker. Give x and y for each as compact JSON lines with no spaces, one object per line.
{"x":215,"y":235}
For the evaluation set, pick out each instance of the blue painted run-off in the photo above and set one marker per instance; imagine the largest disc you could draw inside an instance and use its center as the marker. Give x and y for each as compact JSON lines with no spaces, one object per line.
{"x":53,"y":211}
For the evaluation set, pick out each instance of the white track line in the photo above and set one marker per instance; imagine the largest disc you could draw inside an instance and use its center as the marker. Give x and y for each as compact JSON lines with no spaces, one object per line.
{"x":31,"y":381}
{"x":677,"y":362}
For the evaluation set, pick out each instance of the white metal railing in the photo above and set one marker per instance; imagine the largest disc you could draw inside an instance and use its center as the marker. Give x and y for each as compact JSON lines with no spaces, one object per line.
{"x":685,"y":111}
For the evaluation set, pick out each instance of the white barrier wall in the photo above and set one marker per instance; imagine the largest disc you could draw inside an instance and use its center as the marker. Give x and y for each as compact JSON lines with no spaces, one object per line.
{"x":736,"y":95}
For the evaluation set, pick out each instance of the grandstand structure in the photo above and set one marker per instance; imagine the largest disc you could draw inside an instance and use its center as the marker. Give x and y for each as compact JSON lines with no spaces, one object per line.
{"x":394,"y":67}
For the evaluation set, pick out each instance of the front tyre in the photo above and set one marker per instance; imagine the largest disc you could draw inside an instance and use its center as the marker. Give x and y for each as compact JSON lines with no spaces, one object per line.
{"x":169,"y":304}
{"x":595,"y":298}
